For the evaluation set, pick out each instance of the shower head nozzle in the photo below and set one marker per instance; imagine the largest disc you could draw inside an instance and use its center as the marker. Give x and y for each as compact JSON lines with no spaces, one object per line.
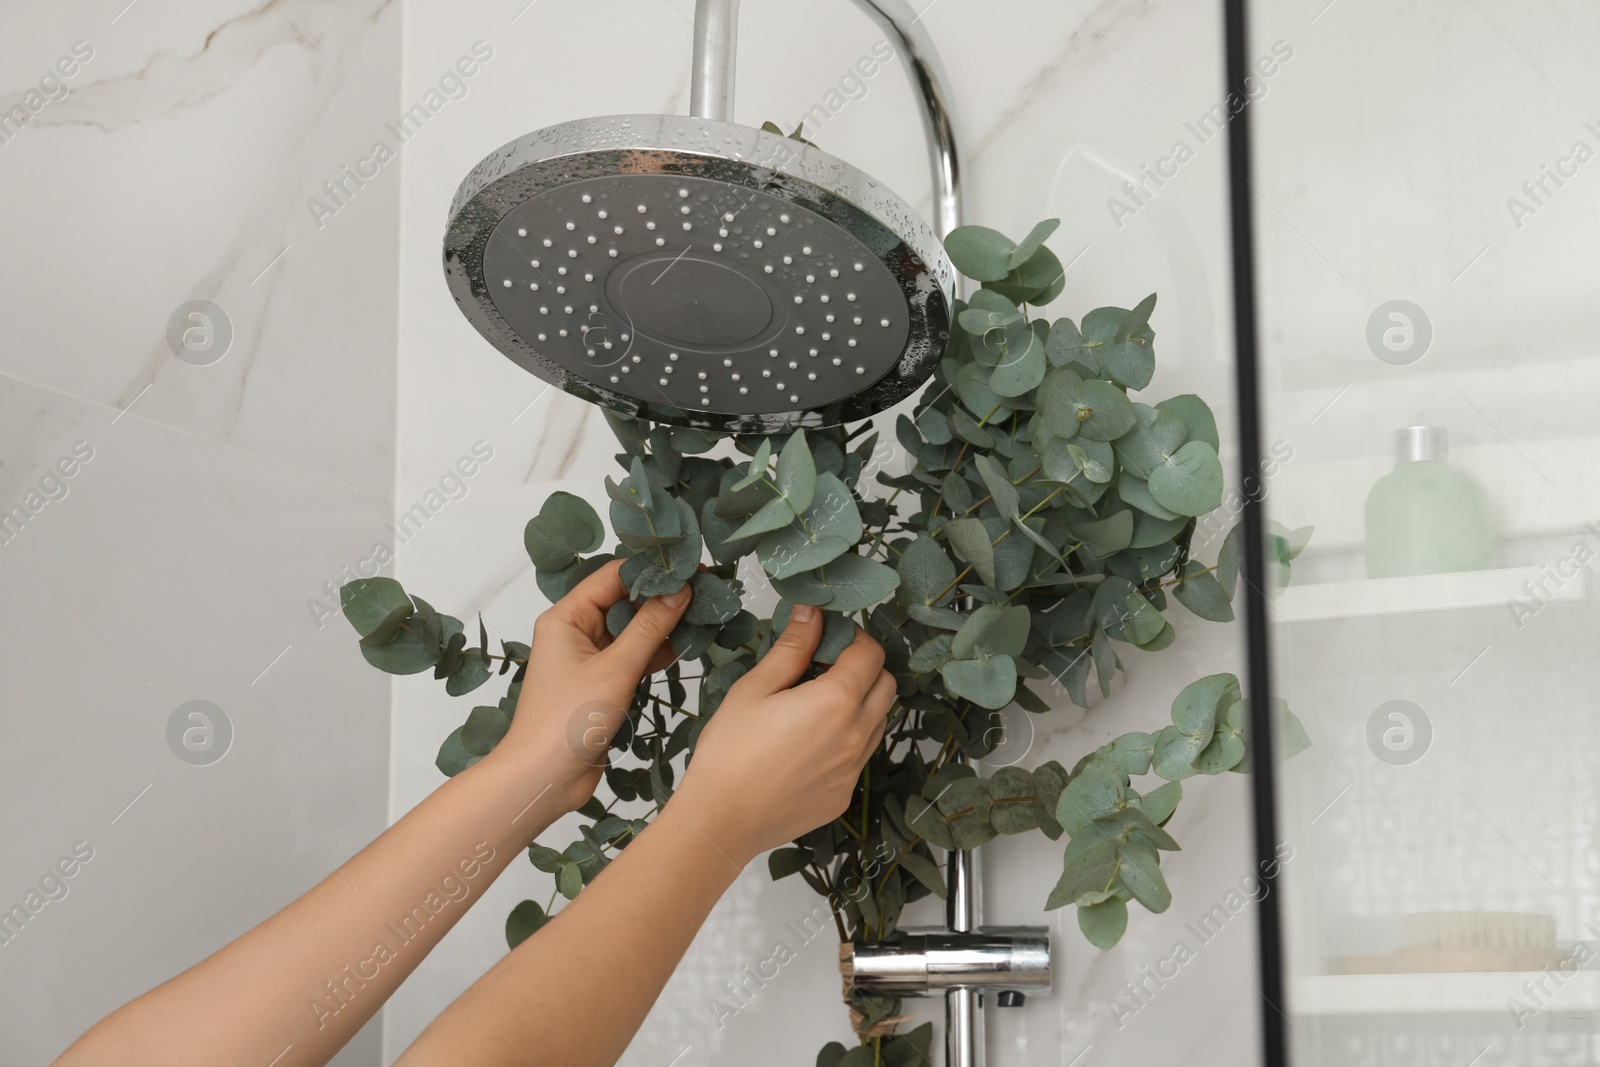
{"x":700,"y":273}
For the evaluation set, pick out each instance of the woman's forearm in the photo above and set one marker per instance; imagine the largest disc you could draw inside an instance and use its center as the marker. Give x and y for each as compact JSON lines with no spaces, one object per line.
{"x":575,"y":993}
{"x":294,"y":989}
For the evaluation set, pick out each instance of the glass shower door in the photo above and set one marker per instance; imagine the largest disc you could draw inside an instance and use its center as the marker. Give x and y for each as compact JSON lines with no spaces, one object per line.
{"x":1426,"y":196}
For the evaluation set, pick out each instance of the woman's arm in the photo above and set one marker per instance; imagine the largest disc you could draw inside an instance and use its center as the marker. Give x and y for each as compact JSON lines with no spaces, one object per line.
{"x":773,"y":763}
{"x":293,"y":990}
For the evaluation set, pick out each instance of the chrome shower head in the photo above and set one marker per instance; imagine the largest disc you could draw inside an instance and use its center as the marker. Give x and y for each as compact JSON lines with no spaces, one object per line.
{"x":701,"y":273}
{"x":691,"y":271}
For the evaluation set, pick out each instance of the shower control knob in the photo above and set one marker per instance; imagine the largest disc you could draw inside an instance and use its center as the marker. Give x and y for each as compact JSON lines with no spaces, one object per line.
{"x":1011,"y":998}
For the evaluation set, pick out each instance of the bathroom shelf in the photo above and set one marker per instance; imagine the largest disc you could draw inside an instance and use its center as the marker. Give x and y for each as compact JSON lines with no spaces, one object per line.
{"x":1573,"y":1005}
{"x":1424,"y":593}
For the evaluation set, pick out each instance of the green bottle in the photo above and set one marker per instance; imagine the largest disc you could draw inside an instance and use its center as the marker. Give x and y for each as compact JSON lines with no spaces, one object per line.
{"x":1425,"y":516}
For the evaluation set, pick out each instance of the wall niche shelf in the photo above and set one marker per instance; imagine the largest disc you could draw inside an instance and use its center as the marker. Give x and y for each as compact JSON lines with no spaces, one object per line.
{"x":1462,"y":590}
{"x":1570,"y":1003}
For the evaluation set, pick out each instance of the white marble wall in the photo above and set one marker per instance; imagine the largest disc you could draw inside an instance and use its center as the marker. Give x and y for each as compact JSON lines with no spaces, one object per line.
{"x":1058,"y":104}
{"x":174,"y":163}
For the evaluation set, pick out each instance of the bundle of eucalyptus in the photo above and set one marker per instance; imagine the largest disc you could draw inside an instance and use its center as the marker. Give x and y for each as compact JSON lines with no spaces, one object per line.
{"x":1045,"y":518}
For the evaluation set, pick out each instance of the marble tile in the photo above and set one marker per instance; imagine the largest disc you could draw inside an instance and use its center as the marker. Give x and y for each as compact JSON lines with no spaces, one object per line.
{"x":178,"y":165}
{"x":166,"y":569}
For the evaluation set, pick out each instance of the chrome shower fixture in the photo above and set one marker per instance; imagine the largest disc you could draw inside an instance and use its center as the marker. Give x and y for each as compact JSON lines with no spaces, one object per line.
{"x":692,"y":271}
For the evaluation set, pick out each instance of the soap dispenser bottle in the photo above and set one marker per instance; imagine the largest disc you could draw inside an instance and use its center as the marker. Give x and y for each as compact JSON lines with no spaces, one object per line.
{"x":1426,"y":516}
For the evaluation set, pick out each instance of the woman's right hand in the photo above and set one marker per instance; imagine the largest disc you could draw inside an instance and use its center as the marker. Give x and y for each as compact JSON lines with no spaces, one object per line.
{"x":777,"y":759}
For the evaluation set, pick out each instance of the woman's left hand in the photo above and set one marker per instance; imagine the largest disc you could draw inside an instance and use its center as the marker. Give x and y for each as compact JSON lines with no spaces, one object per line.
{"x":580,"y":681}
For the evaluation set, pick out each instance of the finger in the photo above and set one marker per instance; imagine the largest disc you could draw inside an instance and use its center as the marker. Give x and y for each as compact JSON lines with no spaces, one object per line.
{"x":875,"y":711}
{"x":874,"y":740}
{"x":789,"y":655}
{"x":637,"y":646}
{"x":597,"y":592}
{"x":857,"y":667}
{"x":584,"y":606}
{"x":879,"y":699}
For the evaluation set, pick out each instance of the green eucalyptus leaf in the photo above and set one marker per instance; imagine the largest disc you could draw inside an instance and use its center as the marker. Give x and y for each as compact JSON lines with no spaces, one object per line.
{"x":713,"y":600}
{"x":484,"y":728}
{"x":453,"y":756}
{"x":782,"y":862}
{"x":1003,"y":493}
{"x":1229,"y":558}
{"x":545,"y":859}
{"x":1129,"y":360}
{"x":1037,"y":281}
{"x":375,"y":607}
{"x":1021,"y":365}
{"x":1130,"y":752}
{"x":972,"y":386}
{"x":1104,"y":537}
{"x":980,"y":252}
{"x":1104,"y":923}
{"x":935,"y":427}
{"x":1136,"y":493}
{"x":970,"y":539}
{"x":1201,"y":593}
{"x":569,"y":881}
{"x":1198,"y":421}
{"x":924,"y":818}
{"x":797,"y":473}
{"x":414,"y":648}
{"x":926,"y":574}
{"x":1032,"y":243}
{"x":993,"y":629}
{"x":565,"y":528}
{"x":523,"y":922}
{"x":1104,"y":410}
{"x":1159,"y":804}
{"x":931,"y":654}
{"x":1135,"y":321}
{"x":988,"y":681}
{"x":1190,"y":481}
{"x":1057,"y":399}
{"x":1095,"y":876}
{"x":849,"y":583}
{"x":472,"y":672}
{"x":1098,"y":789}
{"x":774,"y":515}
{"x":1152,"y":441}
{"x":923,"y":870}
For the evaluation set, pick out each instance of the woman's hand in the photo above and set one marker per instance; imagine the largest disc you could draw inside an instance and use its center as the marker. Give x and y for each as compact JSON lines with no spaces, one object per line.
{"x":580,"y":681}
{"x":777,"y":759}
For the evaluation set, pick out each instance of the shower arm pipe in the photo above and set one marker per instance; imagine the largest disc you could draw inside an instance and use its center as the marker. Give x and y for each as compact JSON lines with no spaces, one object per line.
{"x":716,"y":37}
{"x":716,"y":33}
